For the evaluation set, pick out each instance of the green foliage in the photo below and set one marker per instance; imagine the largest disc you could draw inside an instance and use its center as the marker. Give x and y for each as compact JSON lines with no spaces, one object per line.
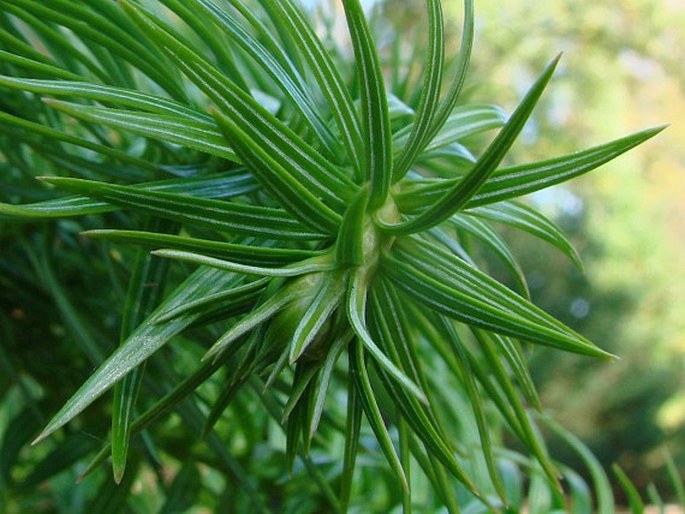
{"x":287,"y":268}
{"x":625,"y":219}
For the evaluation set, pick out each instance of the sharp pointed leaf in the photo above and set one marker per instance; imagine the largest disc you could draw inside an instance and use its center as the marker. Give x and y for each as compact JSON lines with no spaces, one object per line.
{"x":459,"y":195}
{"x":460,"y":291}
{"x":144,"y":342}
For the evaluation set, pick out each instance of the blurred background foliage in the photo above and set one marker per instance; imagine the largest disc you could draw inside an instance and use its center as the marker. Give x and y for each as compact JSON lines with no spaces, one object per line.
{"x":623,"y":69}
